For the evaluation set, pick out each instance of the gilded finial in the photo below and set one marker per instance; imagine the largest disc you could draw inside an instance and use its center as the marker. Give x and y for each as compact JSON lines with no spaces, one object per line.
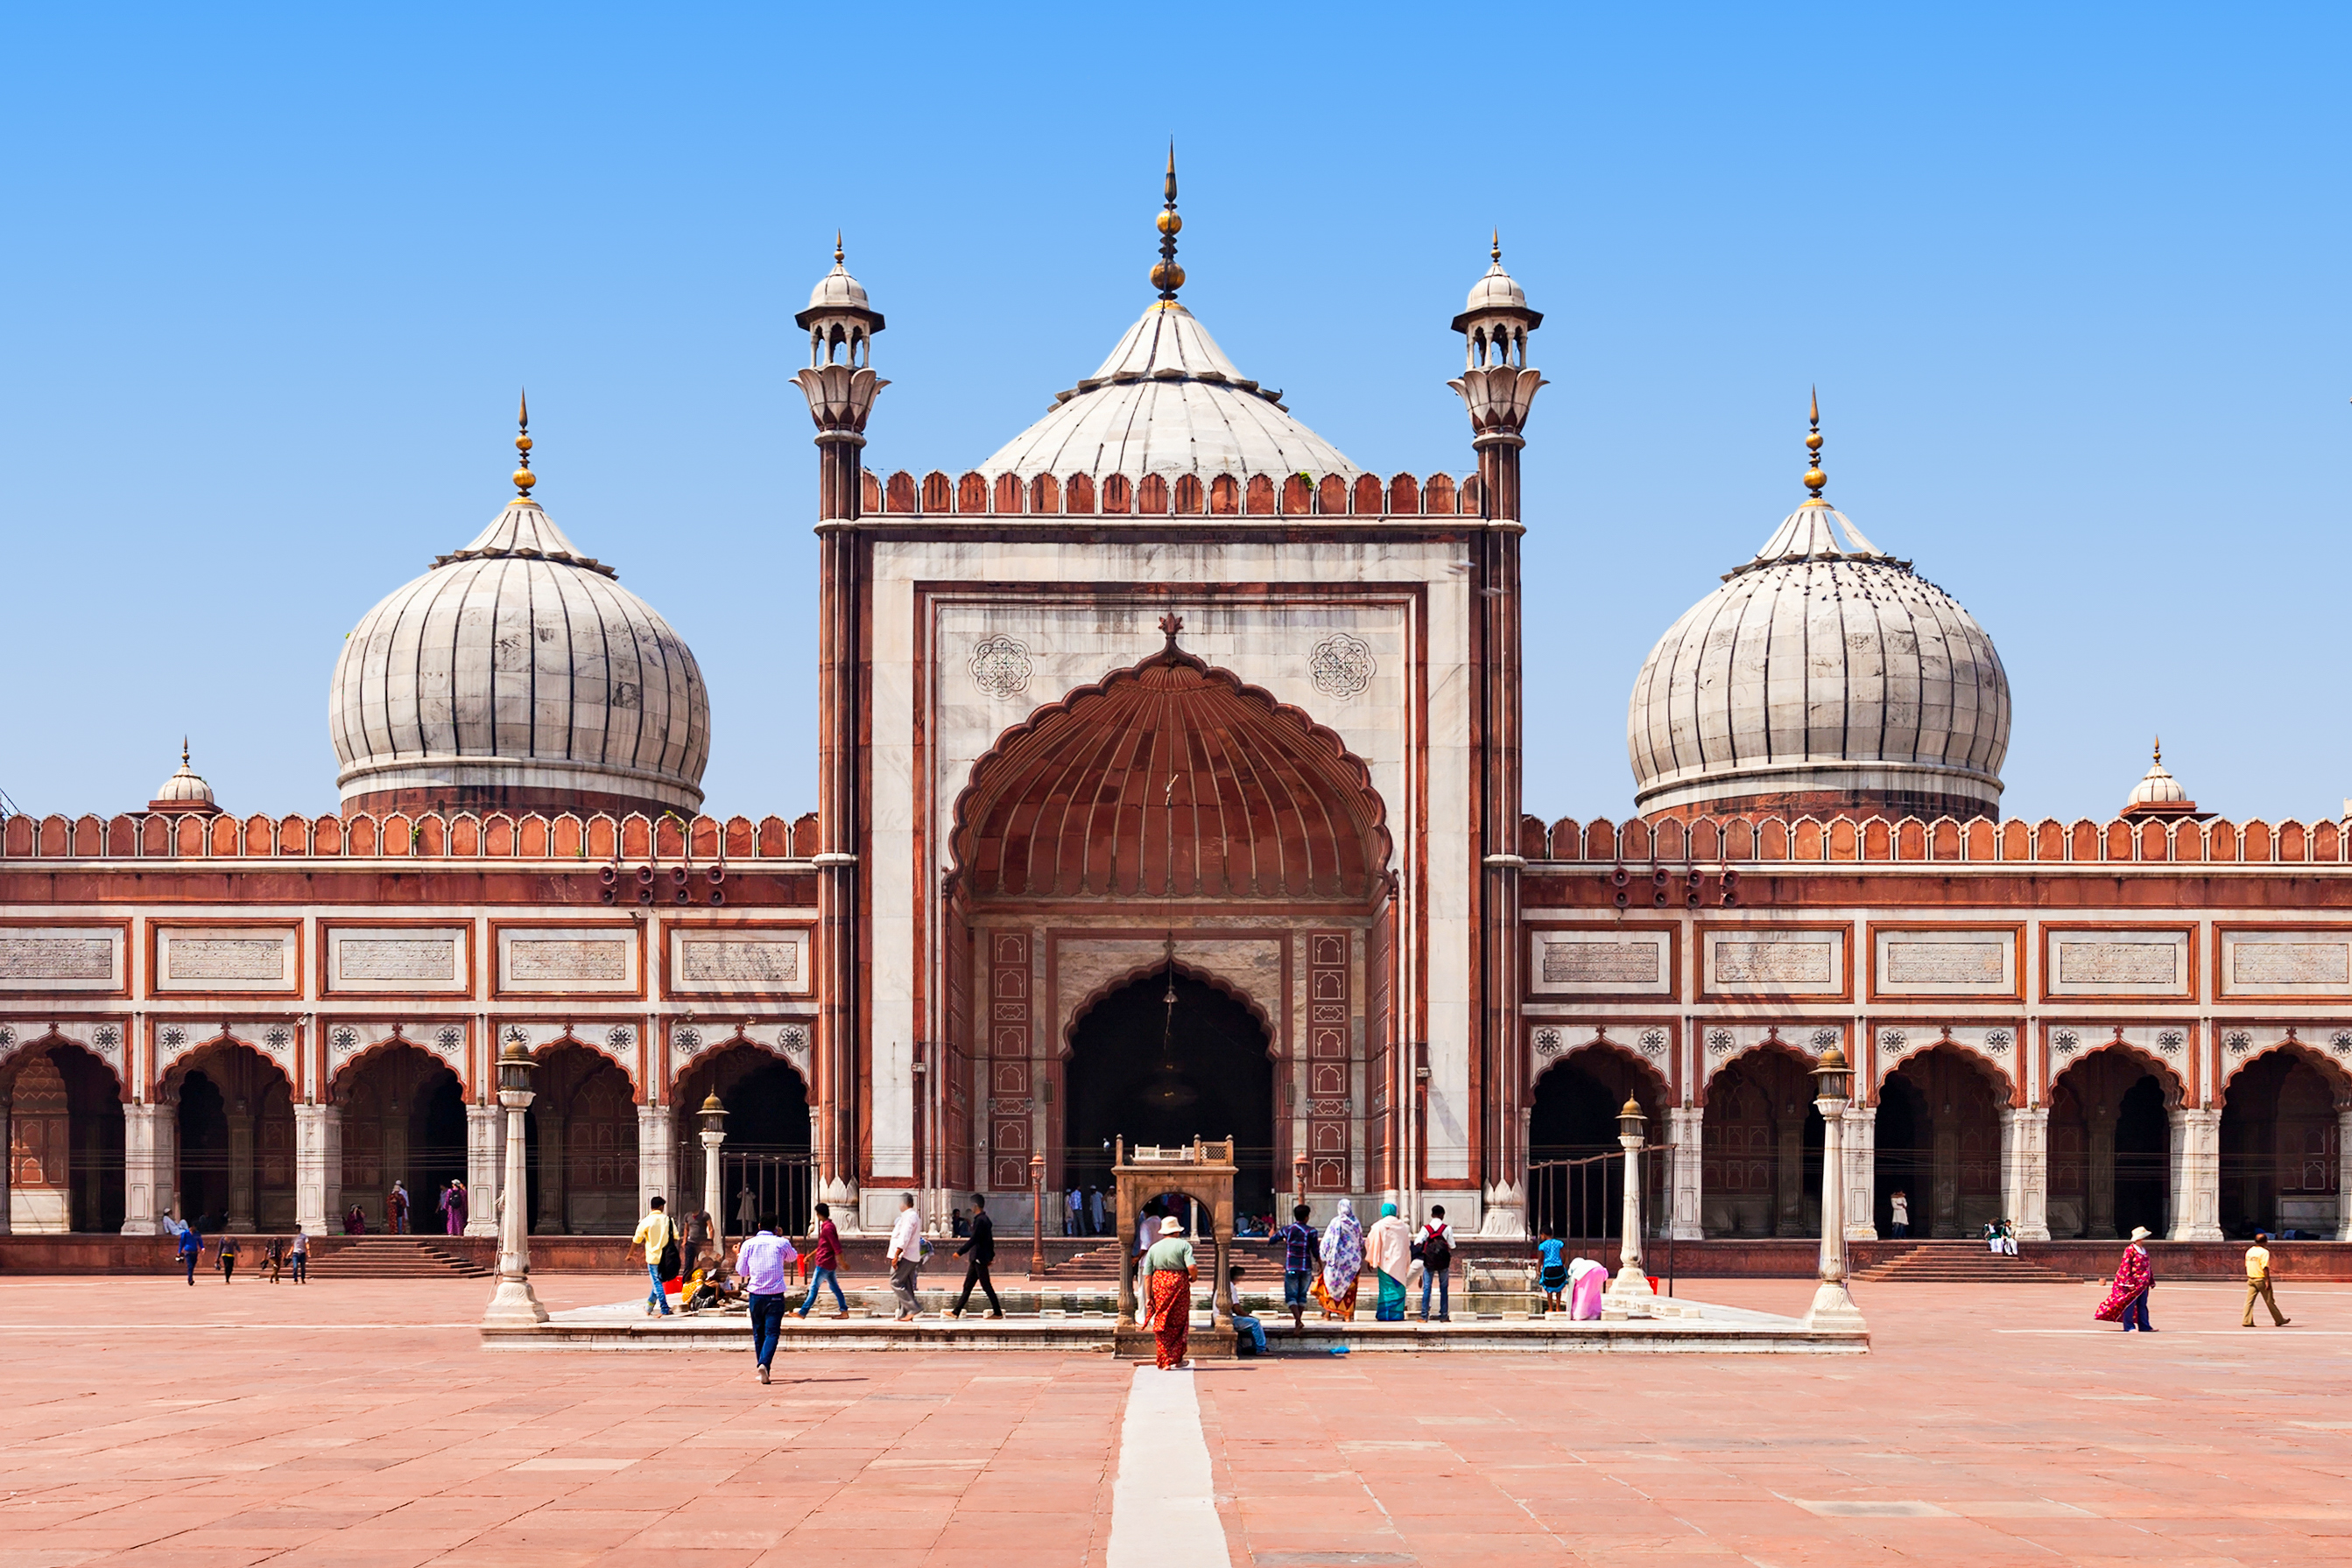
{"x":1814,"y":478}
{"x":1495,"y":255}
{"x":183,"y":751}
{"x":1166,"y":276}
{"x":523,"y":477}
{"x":839,"y":255}
{"x":2159,"y":751}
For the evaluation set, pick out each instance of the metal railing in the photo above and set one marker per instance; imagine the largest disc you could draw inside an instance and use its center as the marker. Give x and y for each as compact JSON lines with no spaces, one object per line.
{"x":782,"y":1185}
{"x":1585,"y":1196}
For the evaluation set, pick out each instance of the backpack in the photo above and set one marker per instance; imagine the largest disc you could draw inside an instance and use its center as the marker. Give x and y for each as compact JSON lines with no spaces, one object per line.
{"x":670,"y":1259}
{"x":1436,"y":1252}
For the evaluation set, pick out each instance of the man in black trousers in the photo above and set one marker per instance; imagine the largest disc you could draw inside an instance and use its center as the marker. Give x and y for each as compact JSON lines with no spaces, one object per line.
{"x":980,"y":1249}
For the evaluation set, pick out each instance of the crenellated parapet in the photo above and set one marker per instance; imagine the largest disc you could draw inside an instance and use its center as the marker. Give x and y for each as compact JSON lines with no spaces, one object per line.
{"x":1711,"y":840}
{"x":428,"y":835}
{"x":1352,"y":494}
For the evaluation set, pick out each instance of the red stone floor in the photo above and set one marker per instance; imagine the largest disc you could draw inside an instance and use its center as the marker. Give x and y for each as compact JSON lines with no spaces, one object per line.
{"x":355,"y":1424}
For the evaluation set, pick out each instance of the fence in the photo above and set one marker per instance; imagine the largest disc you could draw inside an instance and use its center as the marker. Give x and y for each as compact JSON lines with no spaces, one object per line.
{"x":1584,"y":1196}
{"x":754,"y":1186}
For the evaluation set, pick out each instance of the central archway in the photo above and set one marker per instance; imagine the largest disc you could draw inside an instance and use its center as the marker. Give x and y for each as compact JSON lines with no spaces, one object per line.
{"x":1154,"y":1072}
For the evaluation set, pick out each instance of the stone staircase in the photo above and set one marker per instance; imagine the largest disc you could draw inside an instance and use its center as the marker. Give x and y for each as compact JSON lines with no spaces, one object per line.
{"x":1957,"y":1261}
{"x":391,"y":1258}
{"x":1095,"y":1266}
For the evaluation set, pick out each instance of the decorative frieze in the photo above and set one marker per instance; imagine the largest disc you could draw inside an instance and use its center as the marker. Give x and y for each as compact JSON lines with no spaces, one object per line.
{"x":375,"y":960}
{"x":2118,"y":962}
{"x":1937,"y":961}
{"x":739,"y":961}
{"x":548,"y":960}
{"x":2270,"y":963}
{"x":238,"y":960}
{"x":1784,"y":962}
{"x":1615,"y":960}
{"x":64,"y":959}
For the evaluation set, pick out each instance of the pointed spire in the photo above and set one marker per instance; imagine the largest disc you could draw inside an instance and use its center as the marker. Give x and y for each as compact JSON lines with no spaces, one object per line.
{"x":184,"y":753}
{"x":1495,"y":253}
{"x":523,"y":477}
{"x":839,"y":255}
{"x":1814,"y":478}
{"x":1166,"y":276}
{"x":2159,"y":751}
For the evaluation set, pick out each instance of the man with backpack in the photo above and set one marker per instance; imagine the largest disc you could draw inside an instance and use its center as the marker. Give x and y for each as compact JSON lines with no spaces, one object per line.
{"x":1435,"y":1248}
{"x":659,"y":1237}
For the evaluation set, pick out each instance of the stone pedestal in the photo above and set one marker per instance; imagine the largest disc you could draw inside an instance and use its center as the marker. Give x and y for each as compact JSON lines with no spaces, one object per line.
{"x":318,"y":1167}
{"x":485,"y":1160}
{"x":1832,"y":1307}
{"x":150,"y":1167}
{"x":2196,"y":1175}
{"x":1506,"y":1213}
{"x":1686,"y":1131}
{"x":513,"y":1304}
{"x":1861,"y":1173}
{"x":2025,"y":1172}
{"x":657,"y":1172}
{"x":1631,"y":1289}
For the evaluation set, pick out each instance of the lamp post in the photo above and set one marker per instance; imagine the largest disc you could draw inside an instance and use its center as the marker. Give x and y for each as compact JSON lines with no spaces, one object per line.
{"x":1037,"y":1214}
{"x":512,"y":1304}
{"x":1832,"y":1308}
{"x":713,"y":1116}
{"x":1631,"y":1280}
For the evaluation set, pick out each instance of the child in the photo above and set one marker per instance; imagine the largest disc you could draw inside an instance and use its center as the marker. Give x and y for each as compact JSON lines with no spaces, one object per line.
{"x":273,"y":1257}
{"x":1554,"y":1253}
{"x":1251,"y":1340}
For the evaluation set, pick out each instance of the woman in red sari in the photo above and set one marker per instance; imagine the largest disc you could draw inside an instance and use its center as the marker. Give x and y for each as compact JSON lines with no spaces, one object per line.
{"x":2127,"y":1302}
{"x":1168,"y":1294}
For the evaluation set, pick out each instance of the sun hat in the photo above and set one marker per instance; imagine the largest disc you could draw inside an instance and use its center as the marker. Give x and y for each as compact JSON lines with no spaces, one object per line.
{"x":1171,"y":1225}
{"x":2140,"y":1233}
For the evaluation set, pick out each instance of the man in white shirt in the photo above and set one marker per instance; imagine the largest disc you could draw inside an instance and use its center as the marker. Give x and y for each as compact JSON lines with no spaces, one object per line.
{"x":765,"y":1262}
{"x":905,"y":1256}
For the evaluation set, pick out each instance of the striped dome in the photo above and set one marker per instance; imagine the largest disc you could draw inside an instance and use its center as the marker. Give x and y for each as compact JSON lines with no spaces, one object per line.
{"x":1825,"y":675}
{"x":519,"y":672}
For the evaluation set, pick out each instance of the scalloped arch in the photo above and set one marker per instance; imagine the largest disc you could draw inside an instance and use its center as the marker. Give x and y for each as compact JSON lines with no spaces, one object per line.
{"x":1191,"y":971}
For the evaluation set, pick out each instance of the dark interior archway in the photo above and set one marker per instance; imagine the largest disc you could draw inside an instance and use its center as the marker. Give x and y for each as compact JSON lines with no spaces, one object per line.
{"x":203,"y":1152}
{"x":404,"y":1120}
{"x":1938,"y":1142}
{"x":1761,"y":1143}
{"x":94,"y":1109}
{"x":1152,"y":1072}
{"x":2280,"y":1153}
{"x":1574,"y":1119}
{"x":767,"y":1149}
{"x":580,"y":1158}
{"x":2110,"y":1158}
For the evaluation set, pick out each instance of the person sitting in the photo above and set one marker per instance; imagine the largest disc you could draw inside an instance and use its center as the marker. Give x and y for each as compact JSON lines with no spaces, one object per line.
{"x":1249,"y":1334}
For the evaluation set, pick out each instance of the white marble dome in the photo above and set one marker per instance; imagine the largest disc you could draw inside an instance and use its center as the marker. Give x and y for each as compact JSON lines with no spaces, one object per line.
{"x":1167,"y":401}
{"x":519,"y":672}
{"x":1823,"y":674}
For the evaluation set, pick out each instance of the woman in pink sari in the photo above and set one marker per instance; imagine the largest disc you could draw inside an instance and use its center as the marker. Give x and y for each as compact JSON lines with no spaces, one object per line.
{"x":1586,"y":1280}
{"x":2127,"y":1302}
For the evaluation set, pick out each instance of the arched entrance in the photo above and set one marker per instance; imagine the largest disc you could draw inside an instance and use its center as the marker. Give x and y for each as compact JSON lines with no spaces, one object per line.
{"x":1169,"y":803}
{"x":2280,"y":1158}
{"x":2110,"y":1147}
{"x":403,"y":1121}
{"x":580,"y":1144}
{"x":765,"y":1162}
{"x":64,"y":1141}
{"x":235,"y":1115}
{"x":1938,"y":1142}
{"x":1762,"y":1148}
{"x":1159,"y":1074}
{"x":1574,"y":1118}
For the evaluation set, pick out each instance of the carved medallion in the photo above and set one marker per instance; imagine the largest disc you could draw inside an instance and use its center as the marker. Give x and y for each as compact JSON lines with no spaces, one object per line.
{"x":999,"y":666}
{"x":1340,"y":665}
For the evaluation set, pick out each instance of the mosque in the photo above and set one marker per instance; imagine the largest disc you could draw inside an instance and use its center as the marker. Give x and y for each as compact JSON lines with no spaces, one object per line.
{"x":1168,"y":783}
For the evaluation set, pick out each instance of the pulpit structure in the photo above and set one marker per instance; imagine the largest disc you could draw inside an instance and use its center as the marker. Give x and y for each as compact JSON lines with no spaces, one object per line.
{"x":1202,"y":1171}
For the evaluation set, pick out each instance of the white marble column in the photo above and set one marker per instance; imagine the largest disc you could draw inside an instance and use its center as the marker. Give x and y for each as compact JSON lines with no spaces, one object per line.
{"x":2343,"y":1171}
{"x":485,"y":1155}
{"x":318,"y":1167}
{"x":1860,"y":1172}
{"x":1687,"y":1130}
{"x":657,"y":1169}
{"x":7,"y":1163}
{"x":1632,"y":1283}
{"x":1833,"y":1306}
{"x":2025,"y":1172}
{"x":2196,"y":1175}
{"x":151,"y":1163}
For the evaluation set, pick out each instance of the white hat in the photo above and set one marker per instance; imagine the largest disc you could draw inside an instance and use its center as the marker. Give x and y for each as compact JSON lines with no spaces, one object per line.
{"x":1171,"y":1225}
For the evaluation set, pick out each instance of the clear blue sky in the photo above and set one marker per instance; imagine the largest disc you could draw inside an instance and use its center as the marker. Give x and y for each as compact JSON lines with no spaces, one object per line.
{"x":2073,"y":285}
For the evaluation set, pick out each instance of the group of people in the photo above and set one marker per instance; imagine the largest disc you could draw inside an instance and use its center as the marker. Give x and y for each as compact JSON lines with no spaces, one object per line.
{"x":1571,"y":1285}
{"x":398,"y":1210}
{"x":764,"y":1265}
{"x":279,"y":1254}
{"x":2127,"y":1299}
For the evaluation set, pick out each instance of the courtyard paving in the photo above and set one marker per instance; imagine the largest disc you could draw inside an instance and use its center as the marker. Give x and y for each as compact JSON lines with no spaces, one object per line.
{"x":357,"y":1425}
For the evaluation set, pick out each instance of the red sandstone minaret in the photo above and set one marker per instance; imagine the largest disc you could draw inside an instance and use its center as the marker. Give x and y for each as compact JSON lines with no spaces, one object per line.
{"x":841,"y":387}
{"x":1497,"y":386}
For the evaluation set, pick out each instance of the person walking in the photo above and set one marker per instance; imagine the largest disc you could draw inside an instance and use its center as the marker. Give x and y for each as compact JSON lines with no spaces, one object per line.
{"x":1296,"y":1240}
{"x":395,"y":1209}
{"x":659,"y":1237}
{"x":1388,"y":1247}
{"x":2127,"y":1301}
{"x":1168,"y":1294}
{"x":979,"y":1251}
{"x":765,"y":1262}
{"x":273,"y":1257}
{"x":1076,"y":1224}
{"x":1900,"y":1204}
{"x":225,"y":1256}
{"x":906,"y":1256}
{"x":297,"y":1254}
{"x":192,"y":1249}
{"x":824,"y":1261}
{"x":1095,"y":1201}
{"x":1434,"y":1247}
{"x":453,"y":1209}
{"x":2258,"y":1282}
